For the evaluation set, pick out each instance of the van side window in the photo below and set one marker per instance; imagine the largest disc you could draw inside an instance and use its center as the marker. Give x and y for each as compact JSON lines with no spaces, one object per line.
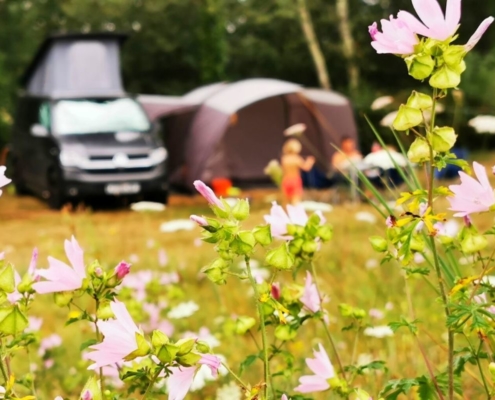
{"x":44,"y":115}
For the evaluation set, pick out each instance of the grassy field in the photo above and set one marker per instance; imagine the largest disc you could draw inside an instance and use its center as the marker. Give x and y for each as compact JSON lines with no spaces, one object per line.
{"x":349,"y":271}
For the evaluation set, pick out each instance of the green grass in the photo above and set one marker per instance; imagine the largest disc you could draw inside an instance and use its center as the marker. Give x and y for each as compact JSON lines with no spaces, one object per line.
{"x":111,"y":236}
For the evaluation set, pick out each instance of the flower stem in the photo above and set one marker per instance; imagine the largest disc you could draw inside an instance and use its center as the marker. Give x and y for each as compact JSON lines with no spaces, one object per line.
{"x":435,"y":256}
{"x":264,"y":340}
{"x":325,"y":327}
{"x":421,"y":349}
{"x":479,"y":366}
{"x":98,"y":338}
{"x":236,"y":377}
{"x":152,"y":383}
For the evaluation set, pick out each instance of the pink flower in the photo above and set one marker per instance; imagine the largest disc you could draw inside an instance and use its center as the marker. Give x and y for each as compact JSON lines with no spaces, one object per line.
{"x":60,"y":277}
{"x":278,"y":219}
{"x":201,"y":221}
{"x":208,"y":194}
{"x":87,"y":395}
{"x":310,"y":297}
{"x":472,"y":196}
{"x":181,"y":379}
{"x":434,"y":24}
{"x":122,"y":270}
{"x":284,"y":397}
{"x":3,"y":179}
{"x":275,"y":290}
{"x":119,"y":338}
{"x":396,"y":38}
{"x":48,"y":343}
{"x":323,"y":371}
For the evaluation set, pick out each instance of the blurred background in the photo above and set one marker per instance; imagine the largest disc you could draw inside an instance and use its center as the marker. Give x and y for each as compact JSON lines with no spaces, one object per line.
{"x":178,"y":45}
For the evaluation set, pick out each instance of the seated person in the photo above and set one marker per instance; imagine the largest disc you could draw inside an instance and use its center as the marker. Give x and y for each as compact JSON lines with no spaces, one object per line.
{"x":343,"y":160}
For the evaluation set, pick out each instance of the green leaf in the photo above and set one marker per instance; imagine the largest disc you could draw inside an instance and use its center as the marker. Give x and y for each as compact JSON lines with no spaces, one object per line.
{"x":248,"y":362}
{"x":87,"y":343}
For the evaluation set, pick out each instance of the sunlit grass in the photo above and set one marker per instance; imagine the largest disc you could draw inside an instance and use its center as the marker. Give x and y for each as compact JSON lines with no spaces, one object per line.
{"x":347,"y":276}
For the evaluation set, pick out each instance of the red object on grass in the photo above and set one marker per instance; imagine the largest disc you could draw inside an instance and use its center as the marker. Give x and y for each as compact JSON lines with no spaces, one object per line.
{"x":221,"y":186}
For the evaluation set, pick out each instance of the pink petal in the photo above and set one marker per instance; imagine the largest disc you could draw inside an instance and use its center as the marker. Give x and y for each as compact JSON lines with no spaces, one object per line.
{"x":430,"y":12}
{"x":473,"y":41}
{"x":453,"y":12}
{"x":179,"y":382}
{"x":312,"y":383}
{"x":413,"y":23}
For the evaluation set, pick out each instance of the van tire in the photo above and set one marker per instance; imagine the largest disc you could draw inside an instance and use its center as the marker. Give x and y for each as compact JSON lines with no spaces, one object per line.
{"x":157,"y":197}
{"x":56,"y":198}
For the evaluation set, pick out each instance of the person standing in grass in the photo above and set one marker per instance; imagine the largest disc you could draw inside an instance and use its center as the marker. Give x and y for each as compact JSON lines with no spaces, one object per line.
{"x":292,"y":164}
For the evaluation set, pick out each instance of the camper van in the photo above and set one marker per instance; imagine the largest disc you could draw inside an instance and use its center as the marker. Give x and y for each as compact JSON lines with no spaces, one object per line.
{"x":77,"y":134}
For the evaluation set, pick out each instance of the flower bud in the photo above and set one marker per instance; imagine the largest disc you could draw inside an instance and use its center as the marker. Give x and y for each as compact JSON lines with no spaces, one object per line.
{"x":420,"y":101}
{"x":420,"y":67}
{"x":419,"y":151}
{"x":310,"y":247}
{"x":202,"y":346}
{"x":189,"y":359}
{"x":442,"y":139}
{"x":87,"y":395}
{"x":143,"y":348}
{"x":158,"y":339}
{"x":241,"y":210}
{"x":279,"y":258}
{"x":379,"y":244}
{"x":454,"y":55}
{"x":285,"y":332}
{"x":201,"y":221}
{"x":167,"y":353}
{"x":445,"y":78}
{"x":263,"y":235}
{"x":295,"y":230}
{"x":407,"y":118}
{"x":345,"y":310}
{"x":185,"y":346}
{"x":63,"y":299}
{"x":473,"y":243}
{"x":244,"y":324}
{"x":295,"y":246}
{"x":105,"y":311}
{"x":7,"y":279}
{"x":324,"y":232}
{"x":122,"y":270}
{"x":275,"y":290}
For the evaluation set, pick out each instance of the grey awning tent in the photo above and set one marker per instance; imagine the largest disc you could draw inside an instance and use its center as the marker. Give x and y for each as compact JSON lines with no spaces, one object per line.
{"x":239,"y":129}
{"x":77,"y":65}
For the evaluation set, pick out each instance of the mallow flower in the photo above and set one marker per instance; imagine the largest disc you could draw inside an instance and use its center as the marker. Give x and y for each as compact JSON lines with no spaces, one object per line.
{"x":310,"y":298}
{"x":435,"y":24}
{"x":182,"y":378}
{"x":396,"y":37}
{"x":323,"y":371}
{"x":472,"y":196}
{"x":278,"y":219}
{"x":3,"y":179}
{"x":119,"y":338}
{"x":208,"y":194}
{"x":59,"y":276}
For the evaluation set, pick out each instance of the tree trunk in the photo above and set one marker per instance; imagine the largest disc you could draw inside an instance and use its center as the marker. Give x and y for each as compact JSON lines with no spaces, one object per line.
{"x":314,"y":46}
{"x":348,"y":44}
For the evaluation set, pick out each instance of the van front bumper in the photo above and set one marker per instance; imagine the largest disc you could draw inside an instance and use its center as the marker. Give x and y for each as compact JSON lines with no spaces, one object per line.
{"x":78,"y":183}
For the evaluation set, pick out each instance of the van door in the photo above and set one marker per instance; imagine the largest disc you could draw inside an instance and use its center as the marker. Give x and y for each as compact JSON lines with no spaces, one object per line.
{"x":39,"y":144}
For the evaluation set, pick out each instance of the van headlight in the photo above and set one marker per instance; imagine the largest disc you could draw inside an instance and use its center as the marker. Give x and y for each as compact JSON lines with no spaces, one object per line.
{"x":72,"y":158}
{"x":159,"y":155}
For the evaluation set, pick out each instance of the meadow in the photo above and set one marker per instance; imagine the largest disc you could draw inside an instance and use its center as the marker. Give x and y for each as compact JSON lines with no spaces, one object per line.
{"x":349,"y":272}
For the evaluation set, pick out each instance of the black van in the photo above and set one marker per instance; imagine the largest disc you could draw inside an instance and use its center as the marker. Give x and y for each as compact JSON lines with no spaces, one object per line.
{"x":77,"y":133}
{"x":64,"y":149}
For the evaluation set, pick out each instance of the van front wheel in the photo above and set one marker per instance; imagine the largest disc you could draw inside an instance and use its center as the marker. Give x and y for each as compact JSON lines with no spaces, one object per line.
{"x":56,"y":197}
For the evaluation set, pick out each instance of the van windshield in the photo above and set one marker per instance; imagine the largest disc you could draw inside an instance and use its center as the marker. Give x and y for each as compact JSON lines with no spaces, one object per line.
{"x":78,"y":117}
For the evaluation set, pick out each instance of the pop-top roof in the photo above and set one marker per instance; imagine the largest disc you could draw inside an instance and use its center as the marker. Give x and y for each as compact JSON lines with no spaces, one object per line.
{"x":77,"y":65}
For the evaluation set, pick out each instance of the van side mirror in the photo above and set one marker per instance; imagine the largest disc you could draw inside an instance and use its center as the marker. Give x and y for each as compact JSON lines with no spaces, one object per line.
{"x":38,"y":130}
